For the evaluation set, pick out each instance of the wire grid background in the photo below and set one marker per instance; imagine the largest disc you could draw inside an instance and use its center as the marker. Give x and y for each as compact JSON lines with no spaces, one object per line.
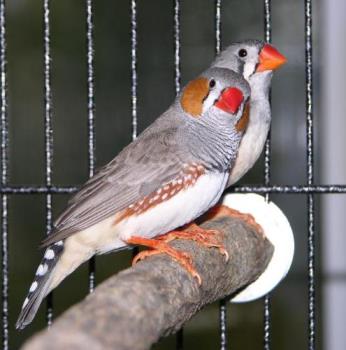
{"x":48,"y":189}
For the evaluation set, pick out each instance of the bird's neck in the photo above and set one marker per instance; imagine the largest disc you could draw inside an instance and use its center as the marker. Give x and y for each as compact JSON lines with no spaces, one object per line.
{"x":212,"y":144}
{"x":260,"y":85}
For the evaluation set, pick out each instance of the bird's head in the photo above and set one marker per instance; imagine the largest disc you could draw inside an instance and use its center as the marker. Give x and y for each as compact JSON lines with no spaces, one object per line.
{"x":218,"y":96}
{"x":249,"y":57}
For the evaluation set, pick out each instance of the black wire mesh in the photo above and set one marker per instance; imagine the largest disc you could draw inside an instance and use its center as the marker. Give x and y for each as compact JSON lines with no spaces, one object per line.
{"x":310,"y":189}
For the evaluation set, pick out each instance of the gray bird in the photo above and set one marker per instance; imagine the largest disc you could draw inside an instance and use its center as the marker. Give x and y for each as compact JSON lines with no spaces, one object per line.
{"x":172,"y":173}
{"x":255,"y":60}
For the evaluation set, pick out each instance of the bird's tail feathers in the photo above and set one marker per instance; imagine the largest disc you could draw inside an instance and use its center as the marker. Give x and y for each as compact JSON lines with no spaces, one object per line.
{"x":41,"y":285}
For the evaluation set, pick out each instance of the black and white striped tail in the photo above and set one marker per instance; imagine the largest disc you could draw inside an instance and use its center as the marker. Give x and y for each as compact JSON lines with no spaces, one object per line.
{"x":40,"y":287}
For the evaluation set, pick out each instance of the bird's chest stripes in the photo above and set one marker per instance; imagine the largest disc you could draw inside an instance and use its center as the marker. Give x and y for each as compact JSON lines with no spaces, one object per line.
{"x":180,"y":208}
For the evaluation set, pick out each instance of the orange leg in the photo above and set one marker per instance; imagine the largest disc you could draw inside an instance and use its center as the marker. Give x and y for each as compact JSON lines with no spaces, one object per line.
{"x":192,"y":232}
{"x":161,"y":247}
{"x":222,"y":210}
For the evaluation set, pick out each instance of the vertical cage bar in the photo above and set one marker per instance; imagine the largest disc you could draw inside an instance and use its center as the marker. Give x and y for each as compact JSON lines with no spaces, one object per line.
{"x":223,"y":302}
{"x":223,"y":324}
{"x":218,"y":4}
{"x":4,"y":178}
{"x":133,"y":19}
{"x":267,"y":166}
{"x":91,"y":112}
{"x":134,"y":67}
{"x":310,"y":175}
{"x":268,"y":39}
{"x":177,"y":69}
{"x":179,"y":345}
{"x":48,"y":131}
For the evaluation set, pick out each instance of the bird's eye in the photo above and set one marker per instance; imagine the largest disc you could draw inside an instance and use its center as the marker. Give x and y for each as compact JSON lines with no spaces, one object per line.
{"x":242,"y":53}
{"x":212,"y":83}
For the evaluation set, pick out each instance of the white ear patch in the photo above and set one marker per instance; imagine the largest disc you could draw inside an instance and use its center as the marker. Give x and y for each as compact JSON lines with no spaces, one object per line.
{"x":212,"y":97}
{"x":249,"y":69}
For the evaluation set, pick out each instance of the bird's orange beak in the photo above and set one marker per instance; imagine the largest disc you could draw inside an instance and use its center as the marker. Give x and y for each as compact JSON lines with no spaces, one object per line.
{"x":230,"y":100}
{"x":270,"y":59}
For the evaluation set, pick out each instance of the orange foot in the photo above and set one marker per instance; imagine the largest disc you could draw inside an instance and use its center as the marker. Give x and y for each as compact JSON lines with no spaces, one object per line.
{"x":192,"y":232}
{"x":222,"y":210}
{"x":161,"y":247}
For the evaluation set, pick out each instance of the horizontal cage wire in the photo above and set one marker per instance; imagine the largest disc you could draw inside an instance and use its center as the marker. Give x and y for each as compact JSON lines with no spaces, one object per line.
{"x":49,"y":189}
{"x":274,"y":189}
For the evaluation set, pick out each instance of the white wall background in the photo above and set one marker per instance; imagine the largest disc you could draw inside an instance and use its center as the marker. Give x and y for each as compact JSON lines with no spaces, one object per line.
{"x":333,"y":123}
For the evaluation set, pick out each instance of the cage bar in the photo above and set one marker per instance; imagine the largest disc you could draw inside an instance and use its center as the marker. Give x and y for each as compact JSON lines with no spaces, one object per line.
{"x":177,"y":68}
{"x":4,"y":180}
{"x":276,"y":189}
{"x":218,"y":43}
{"x":134,"y":68}
{"x":179,"y":339}
{"x":223,"y":302}
{"x":91,"y":112}
{"x":48,"y":136}
{"x":310,"y":174}
{"x":267,"y":167}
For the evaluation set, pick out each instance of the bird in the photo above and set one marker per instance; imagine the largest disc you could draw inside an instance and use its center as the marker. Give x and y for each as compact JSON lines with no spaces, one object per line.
{"x":255,"y":60}
{"x":172,"y":173}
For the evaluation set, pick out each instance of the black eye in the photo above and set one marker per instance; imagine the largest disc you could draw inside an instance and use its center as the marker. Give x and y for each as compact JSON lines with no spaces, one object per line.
{"x":212,"y":83}
{"x":242,"y":53}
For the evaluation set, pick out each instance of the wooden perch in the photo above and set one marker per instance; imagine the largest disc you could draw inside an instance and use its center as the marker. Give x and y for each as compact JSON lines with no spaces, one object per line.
{"x":132,"y":310}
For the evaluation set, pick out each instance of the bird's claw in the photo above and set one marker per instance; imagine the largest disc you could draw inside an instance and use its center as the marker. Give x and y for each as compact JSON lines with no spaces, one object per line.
{"x":207,"y":238}
{"x":161,"y":247}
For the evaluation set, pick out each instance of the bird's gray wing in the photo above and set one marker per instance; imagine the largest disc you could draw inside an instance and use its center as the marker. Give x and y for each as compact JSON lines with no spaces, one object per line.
{"x":142,"y":167}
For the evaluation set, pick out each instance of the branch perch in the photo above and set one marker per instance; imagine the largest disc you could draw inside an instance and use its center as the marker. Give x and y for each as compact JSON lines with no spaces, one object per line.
{"x":132,"y":310}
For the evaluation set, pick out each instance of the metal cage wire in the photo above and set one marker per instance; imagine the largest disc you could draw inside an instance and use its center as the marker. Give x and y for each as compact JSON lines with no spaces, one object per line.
{"x":49,"y":189}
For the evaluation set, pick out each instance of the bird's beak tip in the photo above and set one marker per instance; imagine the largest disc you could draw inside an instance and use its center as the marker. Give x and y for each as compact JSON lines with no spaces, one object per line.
{"x":270,"y":59}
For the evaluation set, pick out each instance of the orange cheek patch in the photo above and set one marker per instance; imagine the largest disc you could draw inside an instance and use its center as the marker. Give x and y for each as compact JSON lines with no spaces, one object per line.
{"x":244,"y":120}
{"x":194,"y":94}
{"x":187,"y":177}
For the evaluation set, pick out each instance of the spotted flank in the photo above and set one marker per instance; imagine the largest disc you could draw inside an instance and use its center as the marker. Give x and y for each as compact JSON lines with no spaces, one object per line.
{"x":186,"y":178}
{"x":40,"y":286}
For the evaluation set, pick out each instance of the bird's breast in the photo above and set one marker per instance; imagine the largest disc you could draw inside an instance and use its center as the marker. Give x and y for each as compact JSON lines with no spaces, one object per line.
{"x":251,"y":144}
